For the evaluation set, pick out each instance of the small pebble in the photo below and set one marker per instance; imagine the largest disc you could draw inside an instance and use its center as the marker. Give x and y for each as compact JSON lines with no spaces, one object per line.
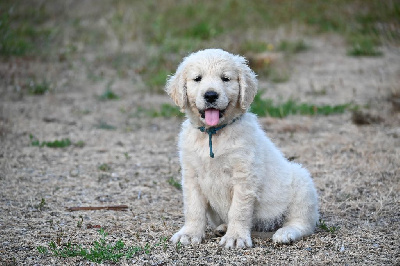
{"x":74,"y":172}
{"x":114,"y":175}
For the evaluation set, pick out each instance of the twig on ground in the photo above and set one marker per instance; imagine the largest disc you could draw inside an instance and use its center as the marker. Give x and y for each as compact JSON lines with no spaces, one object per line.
{"x":92,"y":208}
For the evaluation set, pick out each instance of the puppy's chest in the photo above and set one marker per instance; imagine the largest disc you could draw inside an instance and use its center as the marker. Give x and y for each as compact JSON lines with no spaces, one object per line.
{"x":216,"y":182}
{"x":212,"y":172}
{"x":214,"y":175}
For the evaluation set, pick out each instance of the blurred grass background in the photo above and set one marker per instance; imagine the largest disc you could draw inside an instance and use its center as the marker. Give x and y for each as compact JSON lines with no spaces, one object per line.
{"x":149,"y":38}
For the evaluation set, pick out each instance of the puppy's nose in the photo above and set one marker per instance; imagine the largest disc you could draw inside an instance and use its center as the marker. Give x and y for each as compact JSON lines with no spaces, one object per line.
{"x":211,"y":96}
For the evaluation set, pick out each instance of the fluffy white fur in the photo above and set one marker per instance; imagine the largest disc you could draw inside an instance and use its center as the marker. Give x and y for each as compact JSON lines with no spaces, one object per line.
{"x":249,"y":184}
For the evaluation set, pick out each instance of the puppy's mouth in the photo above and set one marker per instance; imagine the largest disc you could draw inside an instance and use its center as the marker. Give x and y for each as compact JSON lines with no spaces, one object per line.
{"x":212,"y":116}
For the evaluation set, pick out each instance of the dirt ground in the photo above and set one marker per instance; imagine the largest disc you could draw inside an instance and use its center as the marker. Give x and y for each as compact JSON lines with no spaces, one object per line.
{"x":356,"y":168}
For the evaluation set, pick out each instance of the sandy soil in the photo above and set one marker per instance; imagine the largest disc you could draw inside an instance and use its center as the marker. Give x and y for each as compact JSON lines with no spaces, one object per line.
{"x":356,"y":168}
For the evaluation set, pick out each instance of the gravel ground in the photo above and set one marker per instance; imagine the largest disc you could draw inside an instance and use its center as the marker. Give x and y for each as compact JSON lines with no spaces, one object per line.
{"x":356,"y":168}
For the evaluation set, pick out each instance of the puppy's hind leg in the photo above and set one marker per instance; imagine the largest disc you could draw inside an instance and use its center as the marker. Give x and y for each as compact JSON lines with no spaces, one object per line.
{"x":302,"y":214}
{"x":216,"y":222}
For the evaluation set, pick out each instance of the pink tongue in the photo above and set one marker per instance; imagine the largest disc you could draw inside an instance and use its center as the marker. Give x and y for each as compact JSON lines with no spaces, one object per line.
{"x":212,"y":116}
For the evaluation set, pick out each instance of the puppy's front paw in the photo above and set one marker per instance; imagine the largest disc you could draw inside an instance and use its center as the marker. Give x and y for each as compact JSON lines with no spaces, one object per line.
{"x":286,"y":235}
{"x":235,"y":241}
{"x":186,"y":237}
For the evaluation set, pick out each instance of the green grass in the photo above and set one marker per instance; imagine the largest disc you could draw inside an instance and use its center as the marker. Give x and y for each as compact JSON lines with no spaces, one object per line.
{"x":363,"y":46}
{"x":20,"y":33}
{"x":255,"y":46}
{"x":191,"y":20}
{"x":331,"y":229}
{"x":174,"y":183}
{"x":108,"y":94}
{"x":189,"y":27}
{"x":156,"y":71}
{"x":39,"y":88}
{"x":104,"y":167}
{"x":279,"y":75}
{"x":261,"y":107}
{"x":100,"y":251}
{"x":157,"y":78}
{"x":168,"y":31}
{"x":104,"y":125}
{"x":266,"y":107}
{"x":11,"y":43}
{"x":63,"y":143}
{"x":80,"y":222}
{"x":292,"y":47}
{"x":41,"y":205}
{"x":165,"y":110}
{"x":127,"y":156}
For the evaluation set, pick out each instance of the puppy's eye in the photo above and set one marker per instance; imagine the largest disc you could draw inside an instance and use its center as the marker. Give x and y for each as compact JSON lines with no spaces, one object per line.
{"x":225,"y":79}
{"x":197,"y":79}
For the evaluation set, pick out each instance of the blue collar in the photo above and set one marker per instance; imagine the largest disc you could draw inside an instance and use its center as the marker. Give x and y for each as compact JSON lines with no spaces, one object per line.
{"x":213,"y":130}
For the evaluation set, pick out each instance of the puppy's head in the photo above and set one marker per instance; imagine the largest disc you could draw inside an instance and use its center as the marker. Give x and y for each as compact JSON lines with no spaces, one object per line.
{"x":212,"y":86}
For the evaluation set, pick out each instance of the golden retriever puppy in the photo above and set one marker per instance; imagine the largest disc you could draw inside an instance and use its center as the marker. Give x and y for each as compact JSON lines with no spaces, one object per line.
{"x":232,"y":173}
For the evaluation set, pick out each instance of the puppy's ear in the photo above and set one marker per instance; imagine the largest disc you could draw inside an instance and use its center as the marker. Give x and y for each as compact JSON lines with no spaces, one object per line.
{"x":176,"y":88}
{"x":247,"y":84}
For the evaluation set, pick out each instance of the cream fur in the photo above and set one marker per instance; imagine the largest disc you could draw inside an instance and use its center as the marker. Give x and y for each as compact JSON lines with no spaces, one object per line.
{"x":249,"y":184}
